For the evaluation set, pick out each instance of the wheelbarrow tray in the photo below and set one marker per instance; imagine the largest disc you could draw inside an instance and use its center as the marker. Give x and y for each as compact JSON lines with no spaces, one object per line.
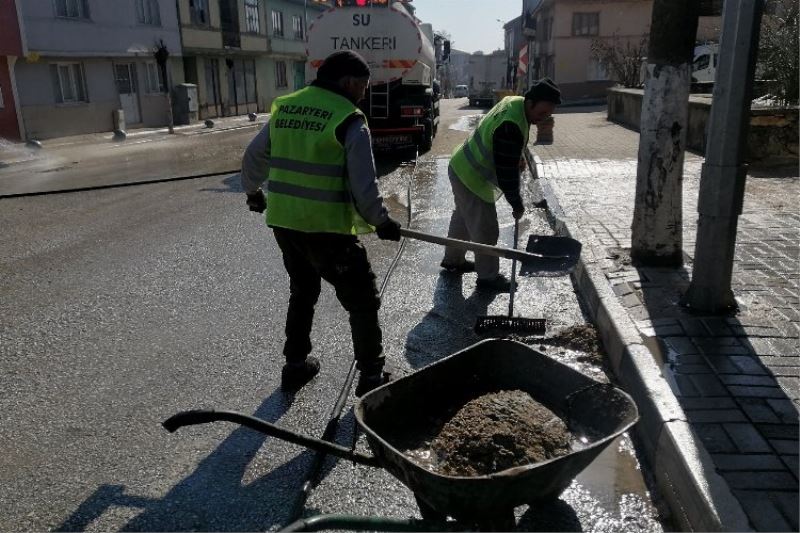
{"x":596,"y":411}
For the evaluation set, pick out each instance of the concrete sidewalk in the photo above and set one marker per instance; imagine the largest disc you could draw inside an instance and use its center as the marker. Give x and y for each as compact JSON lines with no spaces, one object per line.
{"x":17,"y":152}
{"x":718,"y":395}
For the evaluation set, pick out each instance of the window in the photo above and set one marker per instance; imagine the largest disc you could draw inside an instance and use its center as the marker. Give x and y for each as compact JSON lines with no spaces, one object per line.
{"x":251,"y":16}
{"x":585,"y":24}
{"x":298,"y":27}
{"x":155,"y":80}
{"x":277,"y":23}
{"x":701,"y":62}
{"x":280,"y":75}
{"x":75,"y":9}
{"x":69,"y":83}
{"x":199,"y":12}
{"x":147,"y":12}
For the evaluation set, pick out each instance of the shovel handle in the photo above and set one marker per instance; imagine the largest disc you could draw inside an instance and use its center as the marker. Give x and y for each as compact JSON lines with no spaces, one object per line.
{"x":206,"y":416}
{"x":484,"y":249}
{"x":513,"y":273}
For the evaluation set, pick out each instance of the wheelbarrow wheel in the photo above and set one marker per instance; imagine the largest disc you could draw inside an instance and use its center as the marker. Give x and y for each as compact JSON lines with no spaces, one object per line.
{"x":429,"y":513}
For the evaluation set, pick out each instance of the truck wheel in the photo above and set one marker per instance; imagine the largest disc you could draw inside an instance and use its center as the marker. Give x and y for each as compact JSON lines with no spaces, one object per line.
{"x":426,"y":142}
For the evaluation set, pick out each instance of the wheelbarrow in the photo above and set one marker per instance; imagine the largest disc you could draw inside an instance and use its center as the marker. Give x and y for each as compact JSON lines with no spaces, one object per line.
{"x":390,"y":416}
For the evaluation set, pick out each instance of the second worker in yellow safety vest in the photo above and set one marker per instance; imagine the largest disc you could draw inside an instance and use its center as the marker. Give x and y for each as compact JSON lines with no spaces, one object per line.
{"x":315,"y":155}
{"x":486,"y":167}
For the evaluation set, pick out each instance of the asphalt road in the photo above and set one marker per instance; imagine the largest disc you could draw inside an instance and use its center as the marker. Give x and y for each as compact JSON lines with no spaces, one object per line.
{"x":123,"y":306}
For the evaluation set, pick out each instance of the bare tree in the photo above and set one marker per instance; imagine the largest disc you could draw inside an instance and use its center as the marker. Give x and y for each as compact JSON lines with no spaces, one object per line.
{"x":778,"y":58}
{"x":622,"y":59}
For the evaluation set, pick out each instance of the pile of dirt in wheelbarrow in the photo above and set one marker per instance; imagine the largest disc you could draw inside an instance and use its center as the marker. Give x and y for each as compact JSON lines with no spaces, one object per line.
{"x":498,"y":431}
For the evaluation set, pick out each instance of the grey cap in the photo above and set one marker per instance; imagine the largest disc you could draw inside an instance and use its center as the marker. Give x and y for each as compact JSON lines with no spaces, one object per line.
{"x":544,"y":90}
{"x":341,"y":64}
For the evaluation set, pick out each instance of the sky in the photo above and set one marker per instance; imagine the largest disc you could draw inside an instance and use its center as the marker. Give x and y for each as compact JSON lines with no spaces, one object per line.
{"x":472,"y":24}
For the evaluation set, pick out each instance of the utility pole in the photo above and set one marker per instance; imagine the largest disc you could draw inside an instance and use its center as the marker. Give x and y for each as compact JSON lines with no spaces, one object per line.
{"x":724,"y":173}
{"x":657,"y":217}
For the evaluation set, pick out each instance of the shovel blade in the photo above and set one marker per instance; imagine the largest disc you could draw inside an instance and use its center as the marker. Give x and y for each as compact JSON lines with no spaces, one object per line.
{"x":559,"y":256}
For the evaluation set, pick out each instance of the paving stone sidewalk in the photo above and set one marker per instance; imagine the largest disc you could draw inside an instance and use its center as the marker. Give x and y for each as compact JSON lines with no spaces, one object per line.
{"x":736,"y":378}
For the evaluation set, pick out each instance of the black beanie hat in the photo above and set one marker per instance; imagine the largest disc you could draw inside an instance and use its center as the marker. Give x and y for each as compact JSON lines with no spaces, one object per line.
{"x":341,"y":64}
{"x":544,"y":90}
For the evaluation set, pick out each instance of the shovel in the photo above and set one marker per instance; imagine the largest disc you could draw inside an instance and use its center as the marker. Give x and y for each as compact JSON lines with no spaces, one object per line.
{"x":528,"y":259}
{"x":511,"y":323}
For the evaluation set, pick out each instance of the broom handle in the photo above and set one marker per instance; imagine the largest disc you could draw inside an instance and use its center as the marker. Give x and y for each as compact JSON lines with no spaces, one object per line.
{"x":513,"y":273}
{"x":485,"y":249}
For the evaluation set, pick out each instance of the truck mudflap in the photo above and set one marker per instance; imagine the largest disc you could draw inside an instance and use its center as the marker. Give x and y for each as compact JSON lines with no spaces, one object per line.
{"x":393,"y":138}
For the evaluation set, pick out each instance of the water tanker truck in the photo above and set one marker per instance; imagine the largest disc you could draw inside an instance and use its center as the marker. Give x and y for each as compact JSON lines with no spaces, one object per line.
{"x":400,"y":103}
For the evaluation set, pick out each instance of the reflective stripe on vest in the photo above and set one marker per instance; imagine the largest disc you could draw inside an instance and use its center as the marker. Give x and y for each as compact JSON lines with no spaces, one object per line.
{"x":307,"y":188}
{"x":308,"y":193}
{"x":473,"y":162}
{"x":304,"y":167}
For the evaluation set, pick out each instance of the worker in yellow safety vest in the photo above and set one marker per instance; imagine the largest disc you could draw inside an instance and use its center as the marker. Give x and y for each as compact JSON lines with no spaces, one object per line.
{"x":315,"y":155}
{"x":486,"y":167}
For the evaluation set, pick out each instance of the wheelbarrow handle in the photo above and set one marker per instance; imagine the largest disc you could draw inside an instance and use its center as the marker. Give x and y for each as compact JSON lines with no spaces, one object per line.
{"x":497,"y":251}
{"x":205,"y":416}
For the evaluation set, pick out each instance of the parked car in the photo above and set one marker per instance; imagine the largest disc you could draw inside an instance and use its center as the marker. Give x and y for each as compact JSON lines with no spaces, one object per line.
{"x":461,"y":91}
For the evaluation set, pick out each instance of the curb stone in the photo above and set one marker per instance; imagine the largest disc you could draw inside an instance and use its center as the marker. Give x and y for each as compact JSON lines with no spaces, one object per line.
{"x":698,"y":497}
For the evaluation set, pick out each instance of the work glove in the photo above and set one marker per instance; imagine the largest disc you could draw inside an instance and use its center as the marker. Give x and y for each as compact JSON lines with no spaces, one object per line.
{"x":518,"y":212}
{"x":389,"y":230}
{"x":256,"y":201}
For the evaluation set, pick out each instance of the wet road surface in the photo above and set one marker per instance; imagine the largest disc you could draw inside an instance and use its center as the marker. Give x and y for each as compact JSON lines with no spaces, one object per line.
{"x":121,"y":307}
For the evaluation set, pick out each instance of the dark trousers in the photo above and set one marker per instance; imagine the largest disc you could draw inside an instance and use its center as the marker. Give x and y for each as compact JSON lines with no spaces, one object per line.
{"x":341,"y":261}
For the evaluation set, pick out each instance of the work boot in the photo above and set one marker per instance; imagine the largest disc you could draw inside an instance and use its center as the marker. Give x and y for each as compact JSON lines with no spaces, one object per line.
{"x":295,"y":375}
{"x":499,"y":283}
{"x":459,"y":268}
{"x":368,"y":382}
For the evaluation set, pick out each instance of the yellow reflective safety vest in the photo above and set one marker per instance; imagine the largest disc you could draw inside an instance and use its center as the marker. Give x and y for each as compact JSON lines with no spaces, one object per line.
{"x":473,"y":161}
{"x":307,"y":187}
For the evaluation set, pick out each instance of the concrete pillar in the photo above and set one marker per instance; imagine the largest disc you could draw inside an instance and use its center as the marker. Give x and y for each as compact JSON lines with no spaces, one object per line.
{"x":723,"y":177}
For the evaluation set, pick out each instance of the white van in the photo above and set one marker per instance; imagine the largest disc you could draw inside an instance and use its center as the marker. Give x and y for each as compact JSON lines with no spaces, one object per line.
{"x":706,"y":59}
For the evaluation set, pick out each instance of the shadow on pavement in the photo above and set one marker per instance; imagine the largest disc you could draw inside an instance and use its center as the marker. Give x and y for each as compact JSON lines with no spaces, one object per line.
{"x":447,"y":328}
{"x":555,"y":515}
{"x":232,"y":183}
{"x":735,"y":404}
{"x":214,"y":496}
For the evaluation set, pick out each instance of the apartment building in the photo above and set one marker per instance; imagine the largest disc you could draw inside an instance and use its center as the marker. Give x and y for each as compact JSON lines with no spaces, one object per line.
{"x":87,"y":59}
{"x":289,"y":23}
{"x":242,"y":54}
{"x":11,"y":50}
{"x":561,"y":33}
{"x":224,"y":41}
{"x":514,"y":41}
